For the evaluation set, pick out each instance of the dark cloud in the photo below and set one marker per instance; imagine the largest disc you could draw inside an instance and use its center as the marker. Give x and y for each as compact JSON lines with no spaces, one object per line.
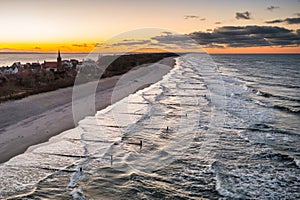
{"x":175,"y":40}
{"x":172,"y":39}
{"x":167,"y":32}
{"x":297,"y":14}
{"x":295,"y":20}
{"x":38,"y":48}
{"x":248,"y":36}
{"x":217,"y":22}
{"x":234,"y":36}
{"x":222,"y":37}
{"x":271,"y":8}
{"x":202,"y":19}
{"x":191,"y":17}
{"x":274,"y":21}
{"x":243,"y":15}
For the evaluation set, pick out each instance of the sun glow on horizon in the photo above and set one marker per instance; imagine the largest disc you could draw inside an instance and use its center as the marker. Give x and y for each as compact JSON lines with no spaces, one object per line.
{"x":255,"y":50}
{"x":45,"y":26}
{"x":90,"y":47}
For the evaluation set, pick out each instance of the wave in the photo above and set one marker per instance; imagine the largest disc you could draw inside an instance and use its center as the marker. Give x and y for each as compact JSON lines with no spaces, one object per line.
{"x":267,"y":94}
{"x":282,"y":85}
{"x":270,"y":104}
{"x":263,"y":127}
{"x":285,"y":159}
{"x":287,"y":109}
{"x":257,"y":176}
{"x":186,"y":153}
{"x":269,"y":98}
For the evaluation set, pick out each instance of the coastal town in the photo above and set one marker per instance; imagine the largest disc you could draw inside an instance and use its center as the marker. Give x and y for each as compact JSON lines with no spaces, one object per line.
{"x":54,"y":66}
{"x":21,"y":80}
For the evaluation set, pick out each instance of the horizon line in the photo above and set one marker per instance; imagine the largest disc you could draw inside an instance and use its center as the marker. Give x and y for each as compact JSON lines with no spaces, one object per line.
{"x":62,"y":52}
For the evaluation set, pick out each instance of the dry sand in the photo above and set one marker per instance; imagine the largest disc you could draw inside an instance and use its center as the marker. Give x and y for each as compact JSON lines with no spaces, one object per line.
{"x":35,"y":119}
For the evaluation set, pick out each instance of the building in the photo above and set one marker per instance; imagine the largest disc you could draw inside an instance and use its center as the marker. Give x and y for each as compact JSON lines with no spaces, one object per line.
{"x":53,"y":66}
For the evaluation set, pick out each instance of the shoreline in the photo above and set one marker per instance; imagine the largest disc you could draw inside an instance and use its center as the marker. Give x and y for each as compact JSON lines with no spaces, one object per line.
{"x":49,"y":114}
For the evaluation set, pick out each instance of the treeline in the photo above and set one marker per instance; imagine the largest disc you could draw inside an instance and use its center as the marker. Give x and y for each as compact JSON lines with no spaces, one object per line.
{"x":124,"y":63}
{"x":112,"y":65}
{"x":23,"y":84}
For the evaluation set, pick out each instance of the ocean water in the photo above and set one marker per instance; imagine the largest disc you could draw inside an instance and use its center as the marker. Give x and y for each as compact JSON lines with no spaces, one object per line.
{"x":216,"y":127}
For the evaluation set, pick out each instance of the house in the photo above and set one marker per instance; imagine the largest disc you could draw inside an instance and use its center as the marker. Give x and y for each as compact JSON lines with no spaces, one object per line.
{"x":67,"y":64}
{"x":53,"y":66}
{"x":50,"y":66}
{"x":14,"y":70}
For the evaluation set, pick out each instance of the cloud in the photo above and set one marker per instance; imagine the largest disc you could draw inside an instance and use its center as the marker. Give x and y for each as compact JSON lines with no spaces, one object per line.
{"x":222,"y":37}
{"x":243,"y":15}
{"x":65,"y":47}
{"x":274,"y":21}
{"x":128,"y":40}
{"x":37,"y":48}
{"x":8,"y":49}
{"x":98,"y":44}
{"x":131,"y":42}
{"x":80,"y":45}
{"x":191,"y":17}
{"x":214,"y":46}
{"x":175,"y":41}
{"x":295,"y":20}
{"x":172,"y":39}
{"x":217,"y":22}
{"x":297,"y":14}
{"x":248,"y":36}
{"x":292,"y":20}
{"x":271,"y":8}
{"x":167,"y":32}
{"x":194,"y":17}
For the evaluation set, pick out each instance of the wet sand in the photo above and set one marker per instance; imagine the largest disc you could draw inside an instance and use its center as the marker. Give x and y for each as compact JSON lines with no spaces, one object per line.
{"x":35,"y":119}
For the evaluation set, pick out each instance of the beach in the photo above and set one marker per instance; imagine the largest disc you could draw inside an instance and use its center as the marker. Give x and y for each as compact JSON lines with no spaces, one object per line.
{"x":35,"y":119}
{"x":203,"y":131}
{"x":148,"y":100}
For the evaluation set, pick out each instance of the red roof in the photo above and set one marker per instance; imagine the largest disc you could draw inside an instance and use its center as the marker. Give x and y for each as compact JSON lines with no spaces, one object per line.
{"x":49,"y":64}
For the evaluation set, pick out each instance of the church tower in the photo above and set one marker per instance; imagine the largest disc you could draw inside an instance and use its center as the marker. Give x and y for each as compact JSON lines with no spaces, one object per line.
{"x":58,"y":60}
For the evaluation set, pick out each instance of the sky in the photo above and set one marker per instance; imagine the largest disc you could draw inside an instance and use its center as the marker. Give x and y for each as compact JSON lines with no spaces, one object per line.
{"x":257,"y":26}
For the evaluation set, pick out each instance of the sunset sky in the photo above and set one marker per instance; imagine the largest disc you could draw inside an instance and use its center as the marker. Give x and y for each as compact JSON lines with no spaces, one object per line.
{"x":257,"y":26}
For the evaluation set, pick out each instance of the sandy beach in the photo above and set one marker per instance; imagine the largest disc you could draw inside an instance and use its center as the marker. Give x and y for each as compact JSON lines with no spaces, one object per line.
{"x":35,"y":119}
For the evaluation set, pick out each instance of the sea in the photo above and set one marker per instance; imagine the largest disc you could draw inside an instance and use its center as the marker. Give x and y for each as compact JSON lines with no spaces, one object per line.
{"x":214,"y":127}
